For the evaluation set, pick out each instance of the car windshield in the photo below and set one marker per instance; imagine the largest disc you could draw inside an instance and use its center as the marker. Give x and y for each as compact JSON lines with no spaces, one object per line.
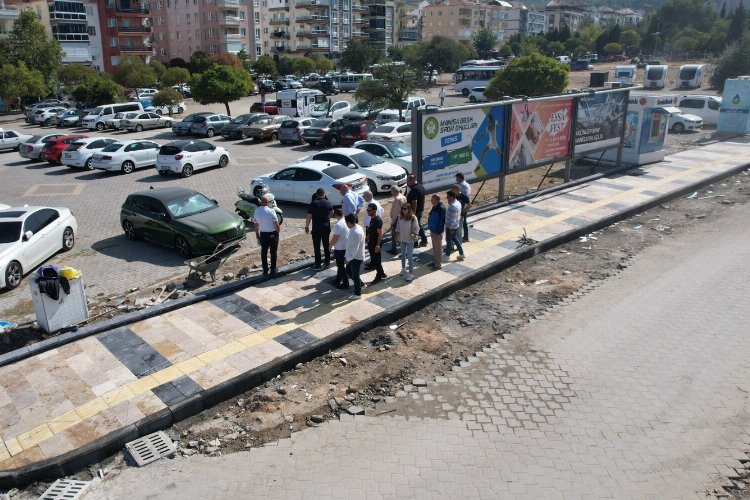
{"x":119,"y":115}
{"x":33,"y":139}
{"x":385,"y":128}
{"x":365,"y":159}
{"x":189,"y":118}
{"x":10,"y":232}
{"x":193,"y":204}
{"x":321,"y":107}
{"x":688,"y":73}
{"x":264,"y":121}
{"x":112,"y":147}
{"x":398,"y":150}
{"x":242,"y":119}
{"x":337,"y":172}
{"x":97,"y":110}
{"x":131,"y":115}
{"x":361,"y":107}
{"x":321,"y":123}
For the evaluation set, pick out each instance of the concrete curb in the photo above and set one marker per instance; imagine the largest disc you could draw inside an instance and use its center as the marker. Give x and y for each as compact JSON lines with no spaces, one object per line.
{"x":99,"y":449}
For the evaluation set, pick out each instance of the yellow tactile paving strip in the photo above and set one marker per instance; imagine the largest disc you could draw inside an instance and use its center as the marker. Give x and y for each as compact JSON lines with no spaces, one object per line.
{"x":66,"y":398}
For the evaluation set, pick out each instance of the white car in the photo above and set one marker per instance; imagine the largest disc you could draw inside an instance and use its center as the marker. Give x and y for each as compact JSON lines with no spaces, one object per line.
{"x":29,"y":236}
{"x":10,"y":139}
{"x":43,"y":117}
{"x":381,"y":175}
{"x":142,"y":93}
{"x":32,"y":147}
{"x":126,"y":156}
{"x":337,"y":110}
{"x":705,"y":106}
{"x":185,"y":157}
{"x":682,"y":122}
{"x":116,"y":121}
{"x":477,"y":94}
{"x":299,"y":182}
{"x":178,"y":108}
{"x":392,"y":131}
{"x":80,"y":153}
{"x":392,"y":151}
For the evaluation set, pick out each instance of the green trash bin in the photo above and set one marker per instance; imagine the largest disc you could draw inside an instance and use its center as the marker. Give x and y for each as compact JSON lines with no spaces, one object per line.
{"x":597,"y":78}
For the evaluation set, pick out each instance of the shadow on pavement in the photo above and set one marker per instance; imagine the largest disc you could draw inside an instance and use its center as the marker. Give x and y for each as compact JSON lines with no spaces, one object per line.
{"x":119,"y":247}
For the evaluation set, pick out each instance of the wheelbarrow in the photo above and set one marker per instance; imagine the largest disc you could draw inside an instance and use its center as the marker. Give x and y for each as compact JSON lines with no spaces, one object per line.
{"x":209,"y":264}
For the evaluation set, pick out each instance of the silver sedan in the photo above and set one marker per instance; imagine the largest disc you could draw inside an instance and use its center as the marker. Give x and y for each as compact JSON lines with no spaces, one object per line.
{"x":145,"y":120}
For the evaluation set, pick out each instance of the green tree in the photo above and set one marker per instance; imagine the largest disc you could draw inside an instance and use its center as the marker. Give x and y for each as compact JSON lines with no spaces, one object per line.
{"x":72,"y":75}
{"x":303,"y":65}
{"x":323,"y":65}
{"x":484,"y":42}
{"x":737,"y":25}
{"x":158,"y":68}
{"x":168,"y":98}
{"x":733,"y":62}
{"x":221,"y":84}
{"x":285,"y":65}
{"x":18,"y":82}
{"x":228,"y":59}
{"x":395,"y":53}
{"x":533,"y":75}
{"x":174,"y":76}
{"x":444,"y":54}
{"x":133,"y":72}
{"x":359,"y":56}
{"x":505,"y":51}
{"x":556,"y":48}
{"x":199,"y":62}
{"x":630,"y":38}
{"x":579,"y":51}
{"x":177,"y":62}
{"x":265,"y":65}
{"x":98,"y":90}
{"x":393,"y":83}
{"x":28,"y":42}
{"x":613,"y":48}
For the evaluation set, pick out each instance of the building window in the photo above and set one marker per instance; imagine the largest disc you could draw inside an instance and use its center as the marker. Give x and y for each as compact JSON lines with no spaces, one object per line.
{"x":257,"y":32}
{"x":161,"y":36}
{"x":91,"y":30}
{"x":257,"y":51}
{"x":242,"y":15}
{"x":163,"y":51}
{"x":256,"y":17}
{"x":210,"y":33}
{"x":111,"y":23}
{"x":243,"y":32}
{"x":113,"y":42}
{"x":178,"y":35}
{"x":198,"y":35}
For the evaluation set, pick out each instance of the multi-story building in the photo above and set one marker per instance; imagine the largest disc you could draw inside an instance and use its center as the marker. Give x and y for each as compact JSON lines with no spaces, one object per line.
{"x":181,"y":27}
{"x":561,"y":15}
{"x":531,"y":22}
{"x":39,"y":7}
{"x":8,"y":14}
{"x":460,"y":20}
{"x":75,"y":25}
{"x":409,"y":21}
{"x":381,"y":16}
{"x":125,"y":31}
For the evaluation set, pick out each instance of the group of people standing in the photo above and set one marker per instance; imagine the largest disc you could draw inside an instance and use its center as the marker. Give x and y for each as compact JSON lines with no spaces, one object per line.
{"x":344,"y":240}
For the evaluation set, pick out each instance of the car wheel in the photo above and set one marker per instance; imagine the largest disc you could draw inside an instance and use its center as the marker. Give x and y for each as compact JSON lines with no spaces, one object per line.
{"x":180,"y":110}
{"x":187,"y":170}
{"x":99,"y":126}
{"x":46,"y":122}
{"x":678,"y":128}
{"x":472,"y":98}
{"x":88,"y":165}
{"x":69,"y":239}
{"x":465,"y":92}
{"x":223,"y":161}
{"x":139,"y":128}
{"x":210,"y":132}
{"x":274,"y":136}
{"x":333,"y":141}
{"x":182,"y":247}
{"x":128,"y":167}
{"x":280,"y":217}
{"x":372,"y":186}
{"x":167,"y":124}
{"x":13,"y":275}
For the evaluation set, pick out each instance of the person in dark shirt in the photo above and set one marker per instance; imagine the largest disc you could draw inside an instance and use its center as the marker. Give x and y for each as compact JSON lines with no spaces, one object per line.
{"x":415,"y":197}
{"x":319,"y":214}
{"x":374,"y":239}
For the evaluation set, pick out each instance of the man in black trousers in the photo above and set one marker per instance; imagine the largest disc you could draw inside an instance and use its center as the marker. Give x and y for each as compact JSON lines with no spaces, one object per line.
{"x":319,"y":214}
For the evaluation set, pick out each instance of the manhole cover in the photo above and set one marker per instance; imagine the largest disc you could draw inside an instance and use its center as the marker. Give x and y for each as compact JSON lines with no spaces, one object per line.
{"x":150,"y":448}
{"x":68,"y":489}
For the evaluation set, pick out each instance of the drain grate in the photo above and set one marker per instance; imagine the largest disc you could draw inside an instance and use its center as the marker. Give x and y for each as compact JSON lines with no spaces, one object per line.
{"x":65,"y":489}
{"x":151,"y":448}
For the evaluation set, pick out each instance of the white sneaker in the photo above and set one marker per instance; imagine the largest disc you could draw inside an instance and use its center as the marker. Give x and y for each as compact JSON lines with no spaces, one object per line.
{"x":409,"y":277}
{"x":403,"y":271}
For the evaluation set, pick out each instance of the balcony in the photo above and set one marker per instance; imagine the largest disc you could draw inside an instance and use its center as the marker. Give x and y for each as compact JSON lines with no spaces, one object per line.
{"x":279,"y":20}
{"x":232,"y":4}
{"x":280,"y":48}
{"x":312,"y":17}
{"x":315,"y":47}
{"x":280,"y":34}
{"x":137,"y":50}
{"x":67,"y":17}
{"x":359,"y":21}
{"x":279,"y":7}
{"x":308,"y":4}
{"x":408,"y":36}
{"x":133,"y":12}
{"x":229,"y":20}
{"x":230,"y":38}
{"x":360,"y":34}
{"x":358,"y":7}
{"x":312,"y":33}
{"x":8,"y":13}
{"x":133,"y":30}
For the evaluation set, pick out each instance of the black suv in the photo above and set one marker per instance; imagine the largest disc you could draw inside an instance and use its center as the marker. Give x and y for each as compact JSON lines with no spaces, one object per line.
{"x":327,"y":86}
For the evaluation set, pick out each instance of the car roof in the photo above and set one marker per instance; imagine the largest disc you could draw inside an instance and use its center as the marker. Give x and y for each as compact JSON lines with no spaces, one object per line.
{"x":13,"y":214}
{"x":393,"y":124}
{"x":314,"y":165}
{"x":167,"y":193}
{"x":66,"y":137}
{"x":182,"y":143}
{"x":131,"y":141}
{"x":341,"y":151}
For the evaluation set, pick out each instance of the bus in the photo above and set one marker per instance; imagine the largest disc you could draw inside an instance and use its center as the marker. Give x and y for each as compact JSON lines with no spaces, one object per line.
{"x":482,"y":62}
{"x":349,"y":81}
{"x":468,"y":77}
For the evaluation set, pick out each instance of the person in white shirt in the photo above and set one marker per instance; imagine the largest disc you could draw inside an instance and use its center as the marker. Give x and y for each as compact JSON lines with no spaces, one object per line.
{"x":338,"y":246}
{"x":355,"y":251}
{"x":267,"y":231}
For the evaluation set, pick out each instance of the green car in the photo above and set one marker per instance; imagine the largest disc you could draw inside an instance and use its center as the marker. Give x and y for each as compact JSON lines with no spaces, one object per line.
{"x":180,"y":218}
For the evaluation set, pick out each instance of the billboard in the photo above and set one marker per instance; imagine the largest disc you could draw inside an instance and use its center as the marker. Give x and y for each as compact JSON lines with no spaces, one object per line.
{"x":734,"y":115}
{"x":539,"y":132}
{"x":469,"y":140}
{"x":600,"y":120}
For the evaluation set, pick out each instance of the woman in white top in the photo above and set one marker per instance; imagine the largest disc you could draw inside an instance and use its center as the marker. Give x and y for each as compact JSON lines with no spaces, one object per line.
{"x":407,"y":231}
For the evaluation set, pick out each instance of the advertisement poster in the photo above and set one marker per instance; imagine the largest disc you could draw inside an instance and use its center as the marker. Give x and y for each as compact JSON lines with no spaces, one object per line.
{"x":469,"y":141}
{"x":539,"y":133}
{"x":654,"y":130}
{"x":600,"y":120}
{"x":734,"y":114}
{"x":630,"y":140}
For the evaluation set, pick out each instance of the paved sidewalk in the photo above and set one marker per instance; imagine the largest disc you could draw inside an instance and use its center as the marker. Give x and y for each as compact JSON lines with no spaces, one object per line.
{"x":87,"y":397}
{"x":639,"y":389}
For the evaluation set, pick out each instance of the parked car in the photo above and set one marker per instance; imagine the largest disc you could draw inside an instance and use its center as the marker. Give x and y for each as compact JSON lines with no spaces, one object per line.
{"x":31,"y":235}
{"x":266,"y":85}
{"x":356,"y":131}
{"x":291,"y":129}
{"x":209,"y":125}
{"x":142,"y":121}
{"x":185,"y":157}
{"x":183,"y":89}
{"x":10,"y":139}
{"x":126,"y":156}
{"x":143,"y":93}
{"x":381,"y":175}
{"x":32,"y":147}
{"x":580,"y":65}
{"x":234,"y":129}
{"x":31,"y":111}
{"x":705,"y":106}
{"x":115,"y":123}
{"x":53,"y":148}
{"x":298,"y":183}
{"x":392,"y":115}
{"x":477,"y":94}
{"x":178,"y":108}
{"x":180,"y":218}
{"x":183,"y":126}
{"x":392,"y":131}
{"x":362,"y":111}
{"x":394,"y":152}
{"x":69,"y":118}
{"x":683,"y":122}
{"x":80,"y":153}
{"x":330,"y":110}
{"x":327,"y":85}
{"x":324,"y":131}
{"x":269,"y":107}
{"x":43,"y":116}
{"x":265,"y":128}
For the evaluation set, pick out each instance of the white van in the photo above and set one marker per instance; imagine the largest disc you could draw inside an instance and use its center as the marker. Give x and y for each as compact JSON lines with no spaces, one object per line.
{"x":98,"y":116}
{"x":563,"y":60}
{"x":691,"y":76}
{"x":391,"y":115}
{"x":349,"y":81}
{"x":655,"y":76}
{"x":298,"y":102}
{"x":625,"y":74}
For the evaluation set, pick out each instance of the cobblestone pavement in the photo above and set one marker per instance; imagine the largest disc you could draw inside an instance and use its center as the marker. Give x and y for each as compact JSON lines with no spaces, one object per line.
{"x":636,"y":390}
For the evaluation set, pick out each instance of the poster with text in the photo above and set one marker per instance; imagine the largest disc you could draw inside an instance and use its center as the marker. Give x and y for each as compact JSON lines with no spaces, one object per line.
{"x":469,"y":141}
{"x":539,"y":133}
{"x":600,"y":120}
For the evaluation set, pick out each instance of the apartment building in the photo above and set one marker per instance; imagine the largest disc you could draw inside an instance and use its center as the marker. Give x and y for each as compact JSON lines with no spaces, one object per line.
{"x":409,"y":22}
{"x":460,"y":20}
{"x":561,"y":15}
{"x":125,"y":31}
{"x":531,"y":22}
{"x":8,"y":14}
{"x":75,"y":25}
{"x":39,"y":7}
